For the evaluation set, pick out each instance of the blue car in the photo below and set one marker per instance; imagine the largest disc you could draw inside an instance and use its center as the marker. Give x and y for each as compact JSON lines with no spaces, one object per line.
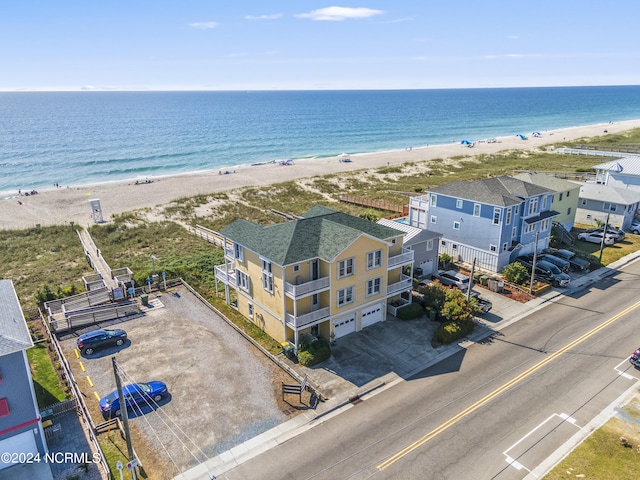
{"x":140,"y":394}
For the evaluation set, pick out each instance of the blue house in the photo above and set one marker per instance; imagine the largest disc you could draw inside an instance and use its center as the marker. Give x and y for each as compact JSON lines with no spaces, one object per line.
{"x":20,"y":424}
{"x":492,"y":220}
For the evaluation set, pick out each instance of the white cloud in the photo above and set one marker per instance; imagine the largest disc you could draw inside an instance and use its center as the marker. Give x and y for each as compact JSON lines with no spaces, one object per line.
{"x":204,"y":25}
{"x":274,"y":16}
{"x":337,"y":14}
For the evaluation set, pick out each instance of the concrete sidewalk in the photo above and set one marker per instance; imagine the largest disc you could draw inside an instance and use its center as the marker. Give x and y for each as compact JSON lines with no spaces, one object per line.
{"x":380,"y":356}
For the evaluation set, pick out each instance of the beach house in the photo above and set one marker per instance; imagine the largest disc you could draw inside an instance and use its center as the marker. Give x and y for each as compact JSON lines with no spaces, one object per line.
{"x":620,"y":173}
{"x":327,"y":273}
{"x":21,"y":431}
{"x":565,"y":197}
{"x":491,"y":220}
{"x":599,"y":202}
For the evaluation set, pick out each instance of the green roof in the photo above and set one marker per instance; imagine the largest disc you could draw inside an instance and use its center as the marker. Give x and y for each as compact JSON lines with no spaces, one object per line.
{"x":321,"y":233}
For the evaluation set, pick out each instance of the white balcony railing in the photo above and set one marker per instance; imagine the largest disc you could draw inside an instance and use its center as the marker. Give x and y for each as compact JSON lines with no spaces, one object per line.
{"x":403,"y":285}
{"x":306,"y":288}
{"x":226,"y":275}
{"x":304,"y":319}
{"x":398,"y":260}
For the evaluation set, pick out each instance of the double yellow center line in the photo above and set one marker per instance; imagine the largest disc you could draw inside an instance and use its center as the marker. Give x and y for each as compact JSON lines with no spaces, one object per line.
{"x":480,"y":403}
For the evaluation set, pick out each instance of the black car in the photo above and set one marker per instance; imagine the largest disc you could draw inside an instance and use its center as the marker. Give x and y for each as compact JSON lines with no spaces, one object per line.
{"x":559,"y":262}
{"x":576,"y":262}
{"x":546,"y":271}
{"x":483,"y":304}
{"x":97,"y":339}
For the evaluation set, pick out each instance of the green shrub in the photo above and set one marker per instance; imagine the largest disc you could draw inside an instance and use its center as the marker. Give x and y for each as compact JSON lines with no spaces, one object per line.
{"x":450,"y":332}
{"x":411,"y":311}
{"x":516,"y":273}
{"x":314,"y":352}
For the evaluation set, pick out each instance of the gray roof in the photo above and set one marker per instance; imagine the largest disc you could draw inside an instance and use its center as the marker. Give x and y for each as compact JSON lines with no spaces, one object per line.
{"x":500,"y":191}
{"x":628,"y":165}
{"x":547,"y":181}
{"x":605,"y":193}
{"x":14,"y":334}
{"x":412,"y":235}
{"x":321,"y":233}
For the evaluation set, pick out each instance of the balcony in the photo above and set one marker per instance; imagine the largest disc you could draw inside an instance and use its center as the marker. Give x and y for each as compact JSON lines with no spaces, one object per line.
{"x":403,"y":285}
{"x":305,"y":319}
{"x":404,"y":258}
{"x":306,"y":288}
{"x":227,"y":276}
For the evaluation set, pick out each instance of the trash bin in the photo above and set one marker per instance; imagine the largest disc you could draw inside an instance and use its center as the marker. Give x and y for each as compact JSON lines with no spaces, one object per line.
{"x":417,"y":272}
{"x":144,"y":298}
{"x":500,"y":286}
{"x":483,"y":280}
{"x":493,"y":284}
{"x":287,"y":349}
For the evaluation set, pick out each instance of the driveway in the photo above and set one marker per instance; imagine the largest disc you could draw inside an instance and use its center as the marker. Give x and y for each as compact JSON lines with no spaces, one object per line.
{"x":222,"y":390}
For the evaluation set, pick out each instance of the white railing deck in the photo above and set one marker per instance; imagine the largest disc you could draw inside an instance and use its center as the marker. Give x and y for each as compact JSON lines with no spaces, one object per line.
{"x":307,"y":318}
{"x":306,"y":288}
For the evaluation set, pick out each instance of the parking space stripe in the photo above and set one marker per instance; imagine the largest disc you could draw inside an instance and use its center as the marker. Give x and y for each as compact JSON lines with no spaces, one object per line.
{"x":82,"y":367}
{"x":75,"y":350}
{"x":96,"y":395}
{"x":90,"y":382}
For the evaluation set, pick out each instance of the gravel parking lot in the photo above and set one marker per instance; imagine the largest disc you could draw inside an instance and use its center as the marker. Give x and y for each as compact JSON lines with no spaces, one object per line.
{"x":223,"y":391}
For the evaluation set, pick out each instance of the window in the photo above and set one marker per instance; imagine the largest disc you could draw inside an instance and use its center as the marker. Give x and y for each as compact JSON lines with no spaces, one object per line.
{"x":609,"y":206}
{"x":250,"y":309}
{"x":456,"y":225}
{"x":508,"y":220}
{"x":493,"y":248}
{"x":545,"y":225}
{"x":476,"y":209}
{"x":373,"y":286}
{"x":242,"y":280}
{"x":459,"y":203}
{"x":238,"y":251}
{"x":345,"y":296}
{"x":296,"y":268}
{"x":345,"y":268}
{"x":267,"y":276}
{"x":374,"y":259}
{"x":496,"y":216}
{"x":516,"y":210}
{"x":544,"y":202}
{"x":583,"y":202}
{"x":454,"y":246}
{"x":530,"y":228}
{"x":568,"y":194}
{"x":533,"y":205}
{"x":430,"y":244}
{"x":569,"y":211}
{"x":434,"y":200}
{"x":443,"y":243}
{"x":514,"y":231}
{"x":434,"y":219}
{"x":560,"y":197}
{"x":504,"y":247}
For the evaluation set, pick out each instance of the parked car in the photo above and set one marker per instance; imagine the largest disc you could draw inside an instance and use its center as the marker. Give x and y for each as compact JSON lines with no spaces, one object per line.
{"x":635,"y":227}
{"x":451,"y":278}
{"x":575,"y":261}
{"x":618,"y":235}
{"x":96,"y":339}
{"x":635,"y":358}
{"x":561,"y":263}
{"x":545,"y":271}
{"x":550,"y":272}
{"x":483,"y":304}
{"x":135,"y":394}
{"x":596,"y":237}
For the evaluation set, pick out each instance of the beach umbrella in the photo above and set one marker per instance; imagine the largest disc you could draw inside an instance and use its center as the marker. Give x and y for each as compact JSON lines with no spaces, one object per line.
{"x":465,"y":142}
{"x":535,"y":134}
{"x":521,"y":136}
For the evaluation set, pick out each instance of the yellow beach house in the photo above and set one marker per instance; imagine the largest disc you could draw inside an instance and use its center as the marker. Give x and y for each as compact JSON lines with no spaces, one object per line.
{"x":327,"y":273}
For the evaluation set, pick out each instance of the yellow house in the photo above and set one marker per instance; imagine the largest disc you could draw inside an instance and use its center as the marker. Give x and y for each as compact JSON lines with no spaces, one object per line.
{"x":327,"y":273}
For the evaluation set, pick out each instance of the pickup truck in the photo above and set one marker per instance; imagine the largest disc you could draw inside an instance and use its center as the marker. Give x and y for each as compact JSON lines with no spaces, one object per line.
{"x":576,"y":262}
{"x":484,"y":304}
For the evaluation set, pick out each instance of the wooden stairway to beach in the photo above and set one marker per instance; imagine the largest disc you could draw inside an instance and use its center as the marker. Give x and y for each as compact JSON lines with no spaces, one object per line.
{"x":377,"y":204}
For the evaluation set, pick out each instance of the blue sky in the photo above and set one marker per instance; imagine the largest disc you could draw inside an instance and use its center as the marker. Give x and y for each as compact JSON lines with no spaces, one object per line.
{"x":281,"y":45}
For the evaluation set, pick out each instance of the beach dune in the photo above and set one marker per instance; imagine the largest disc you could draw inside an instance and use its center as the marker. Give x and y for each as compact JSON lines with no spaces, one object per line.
{"x":65,"y":205}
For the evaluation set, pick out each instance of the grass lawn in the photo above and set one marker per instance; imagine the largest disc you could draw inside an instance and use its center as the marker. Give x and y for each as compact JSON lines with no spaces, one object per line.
{"x":591,"y":251}
{"x":114,"y":449}
{"x":45,"y":380}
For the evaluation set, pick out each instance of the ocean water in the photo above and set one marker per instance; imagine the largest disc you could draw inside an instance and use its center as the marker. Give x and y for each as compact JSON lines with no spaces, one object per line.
{"x":77,"y":138}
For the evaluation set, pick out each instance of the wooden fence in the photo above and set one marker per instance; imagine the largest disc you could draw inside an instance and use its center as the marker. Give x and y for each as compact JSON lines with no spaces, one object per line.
{"x":377,"y":204}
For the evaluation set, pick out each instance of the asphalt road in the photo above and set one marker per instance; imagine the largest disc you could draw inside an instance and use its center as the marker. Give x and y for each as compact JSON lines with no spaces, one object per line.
{"x":493,"y":411}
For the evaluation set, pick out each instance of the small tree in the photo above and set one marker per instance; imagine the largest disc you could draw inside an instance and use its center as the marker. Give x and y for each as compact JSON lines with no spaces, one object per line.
{"x":455,"y":308}
{"x":433,"y":295}
{"x":445,"y":260}
{"x":516,"y":273}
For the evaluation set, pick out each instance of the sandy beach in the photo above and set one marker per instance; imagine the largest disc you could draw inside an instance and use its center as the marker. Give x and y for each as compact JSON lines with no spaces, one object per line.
{"x":65,"y":205}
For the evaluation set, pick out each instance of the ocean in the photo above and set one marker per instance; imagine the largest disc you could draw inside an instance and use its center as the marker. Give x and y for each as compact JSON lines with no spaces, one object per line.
{"x":79,"y":138}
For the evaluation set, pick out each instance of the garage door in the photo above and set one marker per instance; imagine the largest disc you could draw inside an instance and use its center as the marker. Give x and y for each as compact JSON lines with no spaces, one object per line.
{"x":21,"y":443}
{"x":371,"y":315}
{"x":344,"y":326}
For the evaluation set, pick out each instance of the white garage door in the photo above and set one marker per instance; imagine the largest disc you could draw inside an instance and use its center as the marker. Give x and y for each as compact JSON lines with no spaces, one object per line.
{"x":344,"y":326}
{"x":371,"y":315}
{"x":21,"y":443}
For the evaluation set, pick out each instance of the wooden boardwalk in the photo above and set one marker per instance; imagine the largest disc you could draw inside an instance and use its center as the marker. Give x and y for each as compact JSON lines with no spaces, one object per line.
{"x":377,"y":204}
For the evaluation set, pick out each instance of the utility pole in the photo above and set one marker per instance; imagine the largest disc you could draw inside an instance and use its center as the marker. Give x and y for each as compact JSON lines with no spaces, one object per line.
{"x":125,"y":416}
{"x":473,"y":267}
{"x":604,"y":234}
{"x":533,"y":265}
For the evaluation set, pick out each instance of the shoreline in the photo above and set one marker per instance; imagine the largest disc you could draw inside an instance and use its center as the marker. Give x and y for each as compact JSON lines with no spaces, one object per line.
{"x":60,"y":206}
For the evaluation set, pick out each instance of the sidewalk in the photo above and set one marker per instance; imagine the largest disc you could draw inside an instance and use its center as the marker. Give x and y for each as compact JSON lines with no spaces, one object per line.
{"x":380,"y":356}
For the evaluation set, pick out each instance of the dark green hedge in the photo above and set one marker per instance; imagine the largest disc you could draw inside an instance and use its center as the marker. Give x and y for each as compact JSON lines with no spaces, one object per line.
{"x":452,"y":331}
{"x":313,"y":353}
{"x":411,"y":311}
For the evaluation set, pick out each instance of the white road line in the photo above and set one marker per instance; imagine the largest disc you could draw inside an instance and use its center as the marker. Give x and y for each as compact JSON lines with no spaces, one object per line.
{"x":628,"y":376}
